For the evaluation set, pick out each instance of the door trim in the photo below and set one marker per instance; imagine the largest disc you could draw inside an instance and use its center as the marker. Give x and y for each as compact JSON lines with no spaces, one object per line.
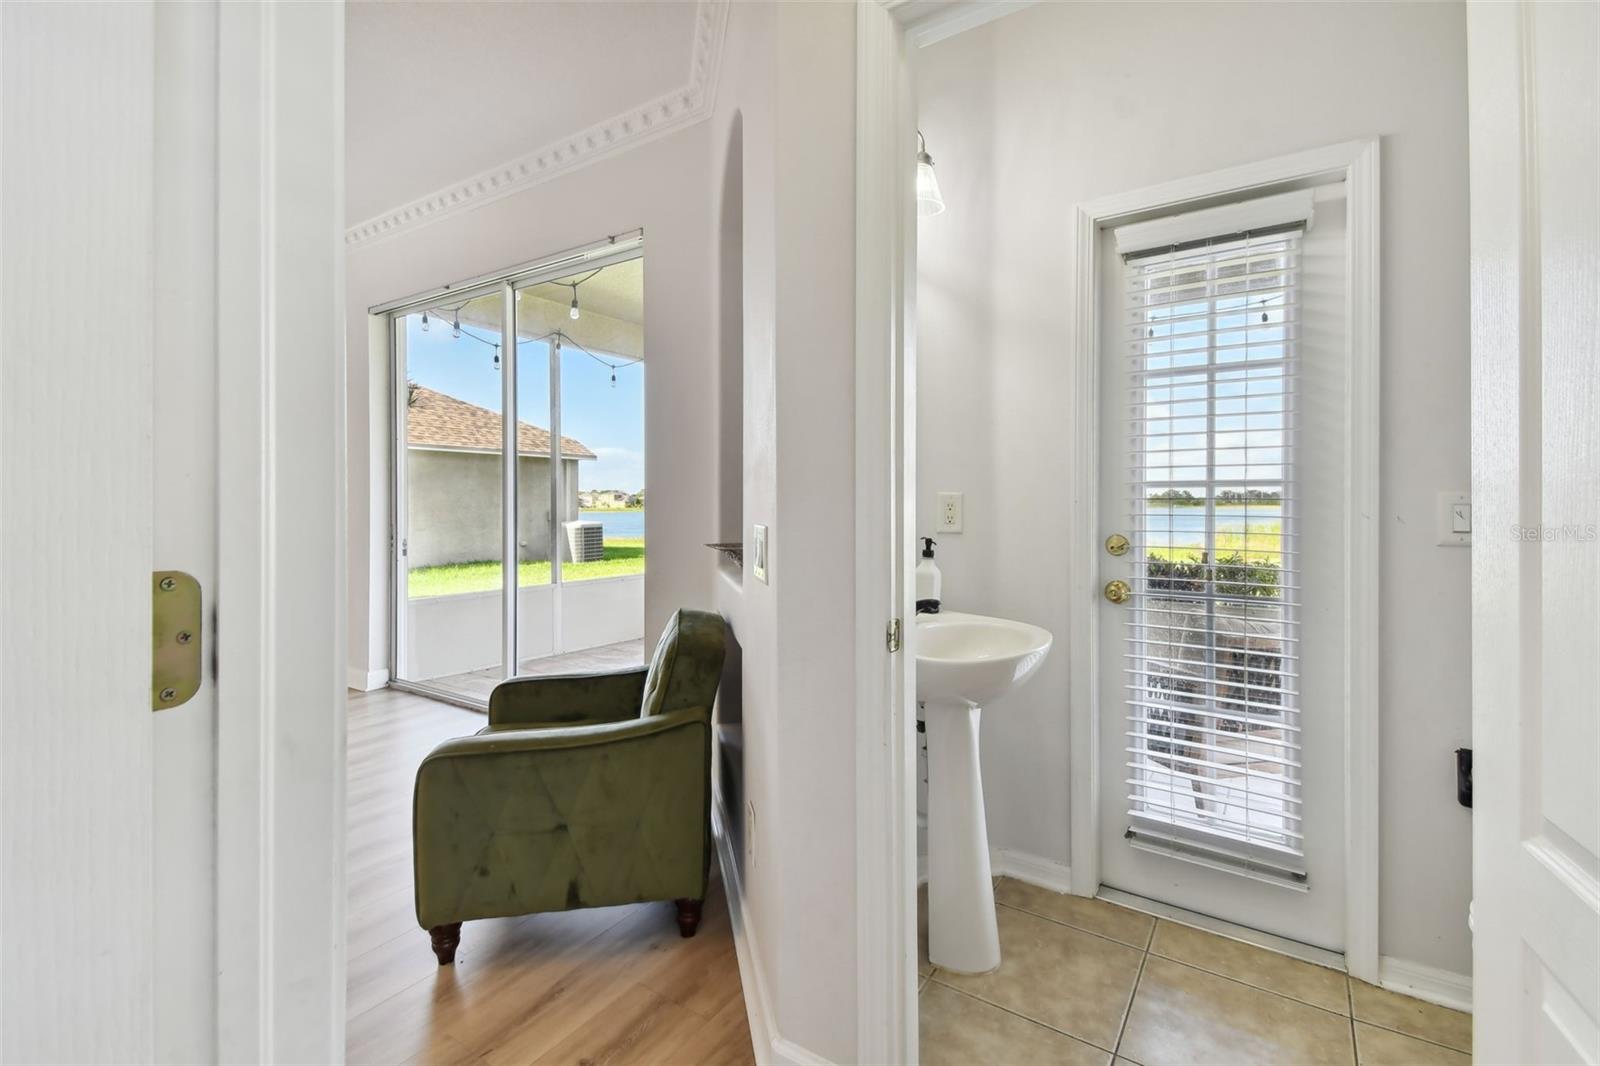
{"x":885,"y":476}
{"x":1357,"y":163}
{"x":281,"y":556}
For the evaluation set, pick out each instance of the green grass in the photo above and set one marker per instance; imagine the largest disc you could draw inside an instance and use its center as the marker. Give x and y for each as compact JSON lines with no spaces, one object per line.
{"x":624,"y":555}
{"x":1260,"y":542}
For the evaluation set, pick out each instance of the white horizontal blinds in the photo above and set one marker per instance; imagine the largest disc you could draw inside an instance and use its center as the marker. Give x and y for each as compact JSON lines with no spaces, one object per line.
{"x":1211,"y":646}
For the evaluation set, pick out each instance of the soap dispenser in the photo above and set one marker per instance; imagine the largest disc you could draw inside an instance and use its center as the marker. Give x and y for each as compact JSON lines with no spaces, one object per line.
{"x":928,"y":580}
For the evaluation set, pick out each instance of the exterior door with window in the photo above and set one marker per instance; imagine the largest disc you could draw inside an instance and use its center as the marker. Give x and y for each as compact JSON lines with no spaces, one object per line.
{"x":1220,"y":639}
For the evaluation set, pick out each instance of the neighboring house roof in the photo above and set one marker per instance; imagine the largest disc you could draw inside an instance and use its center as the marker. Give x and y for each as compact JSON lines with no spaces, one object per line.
{"x":438,"y":420}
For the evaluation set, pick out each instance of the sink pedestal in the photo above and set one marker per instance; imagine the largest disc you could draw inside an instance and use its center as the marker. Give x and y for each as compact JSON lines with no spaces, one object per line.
{"x":962,"y":933}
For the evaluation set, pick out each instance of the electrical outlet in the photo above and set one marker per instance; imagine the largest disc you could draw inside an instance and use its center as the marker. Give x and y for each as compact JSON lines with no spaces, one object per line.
{"x":951,"y":506}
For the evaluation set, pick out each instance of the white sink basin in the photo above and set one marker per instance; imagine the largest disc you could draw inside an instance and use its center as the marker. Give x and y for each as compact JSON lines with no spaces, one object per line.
{"x":963,"y":662}
{"x":973,"y":658}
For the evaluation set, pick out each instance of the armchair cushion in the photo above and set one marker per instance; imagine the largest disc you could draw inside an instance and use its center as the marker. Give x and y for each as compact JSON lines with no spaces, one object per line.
{"x":687,"y":665}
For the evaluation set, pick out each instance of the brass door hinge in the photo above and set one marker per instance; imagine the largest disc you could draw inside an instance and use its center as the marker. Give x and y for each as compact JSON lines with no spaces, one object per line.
{"x":175,"y":631}
{"x":893,"y":636}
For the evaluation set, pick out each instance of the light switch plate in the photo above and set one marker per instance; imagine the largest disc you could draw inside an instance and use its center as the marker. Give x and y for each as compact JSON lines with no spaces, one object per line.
{"x":1454,"y":519}
{"x":758,"y":558}
{"x":951,"y":506}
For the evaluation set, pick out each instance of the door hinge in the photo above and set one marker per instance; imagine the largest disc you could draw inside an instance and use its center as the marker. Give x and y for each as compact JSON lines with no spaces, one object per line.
{"x":893,"y":635}
{"x":175,"y":646}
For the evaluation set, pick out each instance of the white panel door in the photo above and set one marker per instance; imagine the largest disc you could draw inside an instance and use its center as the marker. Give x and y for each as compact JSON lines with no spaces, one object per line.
{"x":77,"y":116}
{"x":1535,"y":134}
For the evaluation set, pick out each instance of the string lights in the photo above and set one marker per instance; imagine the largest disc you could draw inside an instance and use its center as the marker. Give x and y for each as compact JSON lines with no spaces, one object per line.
{"x":457,"y":331}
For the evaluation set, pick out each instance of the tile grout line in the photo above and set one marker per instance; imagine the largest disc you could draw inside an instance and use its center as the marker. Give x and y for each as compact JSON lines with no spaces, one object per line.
{"x":1259,"y":988}
{"x":1017,"y":1014}
{"x":1408,"y":1036}
{"x":1350,"y":991}
{"x":1078,"y":928}
{"x":1350,"y":1002}
{"x":1127,"y":1012}
{"x":1246,"y":984}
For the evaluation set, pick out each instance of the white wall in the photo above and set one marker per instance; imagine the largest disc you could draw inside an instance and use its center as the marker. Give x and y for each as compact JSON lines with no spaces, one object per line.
{"x":455,"y":634}
{"x":1063,"y":103}
{"x":661,"y":186}
{"x":788,"y":87}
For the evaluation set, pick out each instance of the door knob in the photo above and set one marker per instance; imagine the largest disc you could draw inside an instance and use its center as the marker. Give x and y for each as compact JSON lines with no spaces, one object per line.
{"x":1117,"y":591}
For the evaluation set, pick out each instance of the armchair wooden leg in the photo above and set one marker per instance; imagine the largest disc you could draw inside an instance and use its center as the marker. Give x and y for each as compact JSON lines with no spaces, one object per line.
{"x":445,"y":938}
{"x":688,"y":915}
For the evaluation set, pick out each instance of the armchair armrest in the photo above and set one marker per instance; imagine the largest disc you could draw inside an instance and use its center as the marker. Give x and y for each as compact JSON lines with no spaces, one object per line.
{"x":579,"y":699}
{"x":520,"y":821}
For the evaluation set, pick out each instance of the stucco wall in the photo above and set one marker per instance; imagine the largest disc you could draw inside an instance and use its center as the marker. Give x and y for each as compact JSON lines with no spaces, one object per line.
{"x":453,"y":500}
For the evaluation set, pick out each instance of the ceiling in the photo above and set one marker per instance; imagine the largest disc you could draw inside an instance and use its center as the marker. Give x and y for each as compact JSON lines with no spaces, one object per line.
{"x":437,"y":92}
{"x":617,"y":291}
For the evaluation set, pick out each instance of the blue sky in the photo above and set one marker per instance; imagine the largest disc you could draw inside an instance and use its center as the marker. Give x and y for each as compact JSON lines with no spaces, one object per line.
{"x":609,"y":420}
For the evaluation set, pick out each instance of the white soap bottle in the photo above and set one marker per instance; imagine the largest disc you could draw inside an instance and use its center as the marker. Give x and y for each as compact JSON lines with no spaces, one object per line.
{"x":929,"y":580}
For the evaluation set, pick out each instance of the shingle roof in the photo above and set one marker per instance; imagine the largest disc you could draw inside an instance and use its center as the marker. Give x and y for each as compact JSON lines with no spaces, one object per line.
{"x":437,"y":420}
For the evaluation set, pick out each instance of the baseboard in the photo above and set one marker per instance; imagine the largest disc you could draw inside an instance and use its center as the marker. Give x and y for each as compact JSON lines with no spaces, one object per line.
{"x":366,"y":680}
{"x":1046,"y":873}
{"x":1447,"y":989}
{"x":1007,"y":862}
{"x":770,"y":1046}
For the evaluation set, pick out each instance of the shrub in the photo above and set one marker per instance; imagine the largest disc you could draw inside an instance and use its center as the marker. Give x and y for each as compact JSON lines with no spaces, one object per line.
{"x":1231,"y":575}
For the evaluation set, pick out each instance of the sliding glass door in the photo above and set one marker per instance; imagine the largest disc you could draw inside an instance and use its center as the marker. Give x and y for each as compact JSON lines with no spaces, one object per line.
{"x":520,"y":552}
{"x":594,"y":366}
{"x":449,"y":532}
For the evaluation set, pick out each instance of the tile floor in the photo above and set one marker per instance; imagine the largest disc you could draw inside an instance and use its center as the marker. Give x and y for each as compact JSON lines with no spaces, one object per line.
{"x":1085,"y":981}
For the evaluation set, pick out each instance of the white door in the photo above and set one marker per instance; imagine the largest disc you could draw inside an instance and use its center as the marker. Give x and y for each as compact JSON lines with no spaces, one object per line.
{"x":170,"y":870}
{"x":1221,"y":651}
{"x":1535,"y":135}
{"x":76,"y":533}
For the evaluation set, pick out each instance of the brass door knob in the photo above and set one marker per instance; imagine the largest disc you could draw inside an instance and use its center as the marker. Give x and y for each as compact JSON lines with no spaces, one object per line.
{"x":1117,"y":591}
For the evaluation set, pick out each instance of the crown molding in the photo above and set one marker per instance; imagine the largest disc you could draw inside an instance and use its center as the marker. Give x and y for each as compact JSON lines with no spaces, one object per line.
{"x":671,"y":111}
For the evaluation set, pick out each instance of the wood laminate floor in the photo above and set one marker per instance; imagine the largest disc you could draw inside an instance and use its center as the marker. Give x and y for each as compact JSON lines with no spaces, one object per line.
{"x":610,"y":985}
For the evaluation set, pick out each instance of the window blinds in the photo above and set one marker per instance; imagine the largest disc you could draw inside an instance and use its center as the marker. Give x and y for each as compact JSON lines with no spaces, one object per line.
{"x":1211,"y":643}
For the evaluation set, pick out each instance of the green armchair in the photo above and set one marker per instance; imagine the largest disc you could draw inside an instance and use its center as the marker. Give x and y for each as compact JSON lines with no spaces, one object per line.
{"x":582,"y":791}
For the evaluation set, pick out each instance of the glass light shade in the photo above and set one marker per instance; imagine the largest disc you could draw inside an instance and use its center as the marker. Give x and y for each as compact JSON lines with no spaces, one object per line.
{"x":929,"y":202}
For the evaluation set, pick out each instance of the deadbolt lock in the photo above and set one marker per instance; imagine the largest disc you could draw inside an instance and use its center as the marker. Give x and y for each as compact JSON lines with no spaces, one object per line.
{"x":1117,"y":544}
{"x":1117,"y":591}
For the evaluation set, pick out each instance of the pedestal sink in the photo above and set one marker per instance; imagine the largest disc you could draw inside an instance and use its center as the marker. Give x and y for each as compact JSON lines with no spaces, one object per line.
{"x":964,"y":662}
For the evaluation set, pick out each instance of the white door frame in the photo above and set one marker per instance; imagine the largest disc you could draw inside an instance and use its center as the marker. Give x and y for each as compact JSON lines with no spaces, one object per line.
{"x":281,"y":589}
{"x":885,"y":473}
{"x":1357,"y":163}
{"x":888,"y":32}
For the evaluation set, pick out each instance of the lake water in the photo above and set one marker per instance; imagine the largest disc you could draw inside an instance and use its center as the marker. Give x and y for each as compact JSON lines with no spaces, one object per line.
{"x":617,"y":523}
{"x":1178,"y":526}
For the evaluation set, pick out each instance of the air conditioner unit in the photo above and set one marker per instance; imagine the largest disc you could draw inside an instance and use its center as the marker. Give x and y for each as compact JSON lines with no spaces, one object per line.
{"x":586,"y":542}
